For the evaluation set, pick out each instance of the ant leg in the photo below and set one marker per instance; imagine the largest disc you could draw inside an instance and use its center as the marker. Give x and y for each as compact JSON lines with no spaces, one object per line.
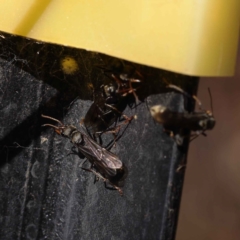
{"x":129,"y":90}
{"x":105,"y":180}
{"x":186,"y":94}
{"x":194,"y":136}
{"x":128,"y":119}
{"x":113,"y":130}
{"x":180,"y":167}
{"x":84,"y":162}
{"x":178,"y":138}
{"x":134,"y":90}
{"x":116,"y":128}
{"x":119,"y":82}
{"x":115,"y":187}
{"x":97,"y":175}
{"x":169,"y":132}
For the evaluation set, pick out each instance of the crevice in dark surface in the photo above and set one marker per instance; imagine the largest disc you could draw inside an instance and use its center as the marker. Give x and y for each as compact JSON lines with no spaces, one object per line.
{"x":25,"y":187}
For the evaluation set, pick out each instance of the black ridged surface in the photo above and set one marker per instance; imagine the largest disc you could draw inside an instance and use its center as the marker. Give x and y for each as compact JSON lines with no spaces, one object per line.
{"x":44,"y":193}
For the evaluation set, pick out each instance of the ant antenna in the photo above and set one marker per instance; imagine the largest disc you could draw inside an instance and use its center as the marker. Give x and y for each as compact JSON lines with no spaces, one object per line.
{"x":166,"y":82}
{"x":198,"y":101}
{"x":178,"y":89}
{"x":211,"y":101}
{"x":54,"y":119}
{"x":50,"y":125}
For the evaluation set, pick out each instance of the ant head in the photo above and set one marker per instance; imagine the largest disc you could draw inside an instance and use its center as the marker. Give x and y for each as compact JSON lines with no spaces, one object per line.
{"x":65,"y":131}
{"x":109,"y":90}
{"x":208,"y":122}
{"x":62,"y":129}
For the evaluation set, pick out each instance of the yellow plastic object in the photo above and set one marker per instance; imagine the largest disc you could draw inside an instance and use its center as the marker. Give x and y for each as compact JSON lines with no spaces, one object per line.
{"x":195,"y":37}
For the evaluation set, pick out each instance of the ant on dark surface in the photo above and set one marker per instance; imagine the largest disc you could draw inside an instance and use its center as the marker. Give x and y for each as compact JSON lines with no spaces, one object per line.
{"x":104,"y":164}
{"x":110,"y":100}
{"x":198,"y":122}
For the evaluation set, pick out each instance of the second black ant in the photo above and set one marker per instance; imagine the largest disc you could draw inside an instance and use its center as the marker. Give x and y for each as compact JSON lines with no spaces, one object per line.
{"x":109,"y":103}
{"x":199,"y":122}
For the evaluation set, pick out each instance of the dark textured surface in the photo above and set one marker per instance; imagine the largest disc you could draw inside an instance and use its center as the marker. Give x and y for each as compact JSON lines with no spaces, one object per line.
{"x":44,"y":193}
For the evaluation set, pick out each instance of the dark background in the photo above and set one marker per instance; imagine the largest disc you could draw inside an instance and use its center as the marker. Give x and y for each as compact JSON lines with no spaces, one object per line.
{"x":210,"y":207}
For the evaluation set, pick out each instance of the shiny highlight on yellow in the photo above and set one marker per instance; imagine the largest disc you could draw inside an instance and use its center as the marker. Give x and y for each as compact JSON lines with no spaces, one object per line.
{"x":69,"y":65}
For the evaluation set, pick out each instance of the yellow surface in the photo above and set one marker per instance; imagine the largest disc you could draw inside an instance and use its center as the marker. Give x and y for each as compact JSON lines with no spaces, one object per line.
{"x":195,"y":37}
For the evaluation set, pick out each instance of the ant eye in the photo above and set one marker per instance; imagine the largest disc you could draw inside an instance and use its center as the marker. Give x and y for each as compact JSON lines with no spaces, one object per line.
{"x":202,"y":123}
{"x":111,"y":89}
